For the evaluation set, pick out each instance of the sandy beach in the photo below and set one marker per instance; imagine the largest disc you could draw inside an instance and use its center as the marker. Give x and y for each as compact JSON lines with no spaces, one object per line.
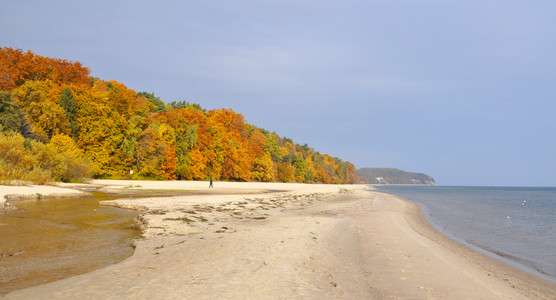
{"x":287,"y":241}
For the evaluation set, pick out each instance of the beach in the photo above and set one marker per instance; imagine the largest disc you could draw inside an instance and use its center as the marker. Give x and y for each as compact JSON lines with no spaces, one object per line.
{"x":286,"y":241}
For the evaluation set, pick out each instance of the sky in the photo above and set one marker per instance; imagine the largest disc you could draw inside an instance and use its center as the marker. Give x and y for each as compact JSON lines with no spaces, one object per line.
{"x":464,"y":91}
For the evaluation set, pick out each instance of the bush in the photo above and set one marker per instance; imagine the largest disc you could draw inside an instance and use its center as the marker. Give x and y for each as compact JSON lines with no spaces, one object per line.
{"x":32,"y":161}
{"x":77,"y":166}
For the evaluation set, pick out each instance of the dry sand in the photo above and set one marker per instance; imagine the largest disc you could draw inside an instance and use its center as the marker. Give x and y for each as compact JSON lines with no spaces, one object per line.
{"x":237,"y":241}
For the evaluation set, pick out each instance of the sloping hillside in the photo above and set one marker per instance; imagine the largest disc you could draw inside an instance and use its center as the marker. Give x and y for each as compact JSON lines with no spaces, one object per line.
{"x":392,"y":176}
{"x":52,"y":111}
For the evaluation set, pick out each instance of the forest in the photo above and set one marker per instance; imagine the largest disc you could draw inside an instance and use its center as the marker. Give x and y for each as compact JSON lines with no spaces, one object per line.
{"x":392,"y":176}
{"x":58,"y":123}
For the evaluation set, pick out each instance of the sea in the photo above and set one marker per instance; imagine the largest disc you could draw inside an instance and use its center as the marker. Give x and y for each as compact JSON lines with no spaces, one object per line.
{"x":513,"y":224}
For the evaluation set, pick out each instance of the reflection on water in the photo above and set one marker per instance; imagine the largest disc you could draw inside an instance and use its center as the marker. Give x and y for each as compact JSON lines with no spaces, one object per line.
{"x":47,"y":240}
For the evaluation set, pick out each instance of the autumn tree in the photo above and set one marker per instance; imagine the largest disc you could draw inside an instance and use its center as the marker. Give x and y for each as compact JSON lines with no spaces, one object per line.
{"x":256,"y":143}
{"x":55,"y":102}
{"x":39,"y":100}
{"x":273,"y":148}
{"x":158,"y":105}
{"x":192,"y":141}
{"x":77,"y":166}
{"x":232,"y":159}
{"x":67,"y":102}
{"x":285,"y":172}
{"x":12,"y":118}
{"x":263,"y":168}
{"x":101,"y":132}
{"x":186,"y":105}
{"x":18,"y":67}
{"x":31,"y":160}
{"x":155,"y":152}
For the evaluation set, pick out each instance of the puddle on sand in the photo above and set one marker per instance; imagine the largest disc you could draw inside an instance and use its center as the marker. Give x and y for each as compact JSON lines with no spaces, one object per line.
{"x":47,"y":240}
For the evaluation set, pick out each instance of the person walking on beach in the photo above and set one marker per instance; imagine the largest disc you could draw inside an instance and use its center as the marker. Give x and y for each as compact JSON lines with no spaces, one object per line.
{"x":210,"y":185}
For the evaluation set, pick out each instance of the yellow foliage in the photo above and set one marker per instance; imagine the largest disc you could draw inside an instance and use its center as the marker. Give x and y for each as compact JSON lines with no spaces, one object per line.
{"x":117,"y":129}
{"x":78,"y":166}
{"x":285,"y":172}
{"x":30,"y":160}
{"x":39,"y":100}
{"x":263,"y":168}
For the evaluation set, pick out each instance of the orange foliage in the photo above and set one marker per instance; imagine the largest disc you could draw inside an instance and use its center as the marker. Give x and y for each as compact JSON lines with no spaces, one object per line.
{"x":231,"y":159}
{"x":17,"y":67}
{"x":155,"y":153}
{"x":257,"y":143}
{"x":118,"y":130}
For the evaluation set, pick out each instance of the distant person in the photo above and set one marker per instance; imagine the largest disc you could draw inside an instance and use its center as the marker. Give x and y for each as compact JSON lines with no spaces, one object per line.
{"x":210,"y":185}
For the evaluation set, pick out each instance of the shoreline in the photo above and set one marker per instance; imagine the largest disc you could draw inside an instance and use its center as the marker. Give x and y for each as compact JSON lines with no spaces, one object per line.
{"x":520,"y":264}
{"x":10,"y":193}
{"x":439,"y":222}
{"x":312,"y":241}
{"x":529,"y":284}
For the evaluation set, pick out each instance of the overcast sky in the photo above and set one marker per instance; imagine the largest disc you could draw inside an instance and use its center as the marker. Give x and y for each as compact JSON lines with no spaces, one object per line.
{"x":464,"y":91}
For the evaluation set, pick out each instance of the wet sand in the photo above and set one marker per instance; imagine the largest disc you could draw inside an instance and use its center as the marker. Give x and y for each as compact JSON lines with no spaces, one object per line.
{"x":308,"y":242}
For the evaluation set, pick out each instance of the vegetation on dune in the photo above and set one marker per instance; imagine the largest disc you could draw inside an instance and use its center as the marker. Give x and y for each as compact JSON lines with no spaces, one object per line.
{"x":29,"y":160}
{"x":392,"y":176}
{"x":87,"y":126}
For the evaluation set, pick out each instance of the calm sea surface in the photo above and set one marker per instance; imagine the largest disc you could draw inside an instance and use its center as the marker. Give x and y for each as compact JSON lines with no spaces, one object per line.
{"x":514,"y":224}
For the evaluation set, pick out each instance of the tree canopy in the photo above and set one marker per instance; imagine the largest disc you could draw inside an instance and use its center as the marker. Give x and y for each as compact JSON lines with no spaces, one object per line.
{"x":54,"y":101}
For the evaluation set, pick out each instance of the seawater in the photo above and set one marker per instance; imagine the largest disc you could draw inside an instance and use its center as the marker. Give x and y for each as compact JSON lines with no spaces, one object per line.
{"x":514,"y":224}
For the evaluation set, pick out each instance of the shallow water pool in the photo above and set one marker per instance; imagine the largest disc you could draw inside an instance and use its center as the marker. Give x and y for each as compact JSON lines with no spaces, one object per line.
{"x":47,"y":240}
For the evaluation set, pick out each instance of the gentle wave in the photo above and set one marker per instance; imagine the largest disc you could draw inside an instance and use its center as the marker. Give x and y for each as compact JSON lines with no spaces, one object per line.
{"x":525,"y":262}
{"x":513,"y":223}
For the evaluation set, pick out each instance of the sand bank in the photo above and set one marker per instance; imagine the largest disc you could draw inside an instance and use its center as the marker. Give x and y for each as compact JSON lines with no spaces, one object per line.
{"x":304,"y":242}
{"x":15,"y":193}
